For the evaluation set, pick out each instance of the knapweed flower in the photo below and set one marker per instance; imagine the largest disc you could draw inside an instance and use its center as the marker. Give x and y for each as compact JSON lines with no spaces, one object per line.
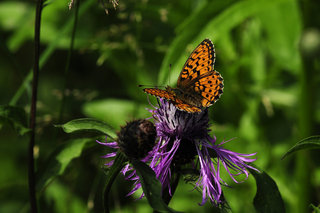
{"x":135,"y":140}
{"x":184,"y":139}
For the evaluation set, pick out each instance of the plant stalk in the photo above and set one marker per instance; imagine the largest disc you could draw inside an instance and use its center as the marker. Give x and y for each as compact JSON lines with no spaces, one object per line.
{"x":33,"y":109}
{"x":66,"y":71}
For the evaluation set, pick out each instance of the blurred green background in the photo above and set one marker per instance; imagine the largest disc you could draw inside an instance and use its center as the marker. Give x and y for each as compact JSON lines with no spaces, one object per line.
{"x":268,"y":52}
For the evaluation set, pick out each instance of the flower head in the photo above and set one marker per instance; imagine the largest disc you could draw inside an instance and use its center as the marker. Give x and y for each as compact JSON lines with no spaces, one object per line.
{"x":135,"y":140}
{"x":182,"y":137}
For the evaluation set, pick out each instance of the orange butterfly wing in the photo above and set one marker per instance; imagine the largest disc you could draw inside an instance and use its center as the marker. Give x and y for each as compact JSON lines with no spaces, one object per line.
{"x":160,"y":93}
{"x":198,"y":76}
{"x":199,"y":85}
{"x":170,"y":95}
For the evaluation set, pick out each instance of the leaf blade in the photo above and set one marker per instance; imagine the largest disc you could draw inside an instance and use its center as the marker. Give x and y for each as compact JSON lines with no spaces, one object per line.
{"x":151,"y":186}
{"x":312,"y":142}
{"x":14,"y":116}
{"x":59,"y":160}
{"x":87,"y":124}
{"x":268,"y":197}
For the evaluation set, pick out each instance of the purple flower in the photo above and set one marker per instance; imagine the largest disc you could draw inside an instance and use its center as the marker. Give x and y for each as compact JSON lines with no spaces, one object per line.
{"x":182,"y":137}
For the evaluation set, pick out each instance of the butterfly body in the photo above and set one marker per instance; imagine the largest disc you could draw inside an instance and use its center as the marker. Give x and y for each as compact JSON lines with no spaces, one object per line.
{"x":199,"y":85}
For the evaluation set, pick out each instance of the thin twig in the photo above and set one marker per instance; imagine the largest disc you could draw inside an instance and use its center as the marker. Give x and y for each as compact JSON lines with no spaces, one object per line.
{"x":31,"y":172}
{"x":67,"y":67}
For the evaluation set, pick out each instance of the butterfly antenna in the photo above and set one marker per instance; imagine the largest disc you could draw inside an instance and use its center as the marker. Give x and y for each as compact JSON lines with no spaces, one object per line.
{"x":144,"y":85}
{"x":170,"y":65}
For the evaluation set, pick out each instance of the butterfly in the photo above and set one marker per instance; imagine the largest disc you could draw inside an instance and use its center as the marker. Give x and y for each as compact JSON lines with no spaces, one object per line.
{"x":199,"y":85}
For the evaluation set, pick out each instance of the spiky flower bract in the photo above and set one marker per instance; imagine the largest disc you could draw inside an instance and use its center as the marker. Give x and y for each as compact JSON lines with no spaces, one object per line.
{"x":135,"y":140}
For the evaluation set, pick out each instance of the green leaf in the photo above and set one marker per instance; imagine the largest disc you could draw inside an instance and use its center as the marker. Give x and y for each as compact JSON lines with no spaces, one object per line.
{"x":312,"y":142}
{"x":268,"y":198}
{"x":88,"y":124}
{"x":64,"y":199}
{"x":315,"y":209}
{"x":283,"y":28}
{"x":151,"y":186}
{"x":214,"y":28}
{"x":60,"y":159}
{"x":14,"y":116}
{"x":115,"y":111}
{"x":12,"y":13}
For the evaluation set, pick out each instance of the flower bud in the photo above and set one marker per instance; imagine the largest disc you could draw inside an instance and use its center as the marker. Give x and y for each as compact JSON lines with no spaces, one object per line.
{"x":137,"y":138}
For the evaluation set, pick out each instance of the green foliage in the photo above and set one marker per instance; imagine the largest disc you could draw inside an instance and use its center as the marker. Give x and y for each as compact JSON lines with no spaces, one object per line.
{"x":114,"y":111}
{"x":15,"y":117}
{"x":59,"y":160}
{"x":267,"y":52}
{"x":87,"y":124}
{"x":312,"y":142}
{"x":268,"y":198}
{"x":151,"y":186}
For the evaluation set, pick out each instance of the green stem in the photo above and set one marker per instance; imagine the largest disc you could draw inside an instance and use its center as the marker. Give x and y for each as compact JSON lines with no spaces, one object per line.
{"x":66,"y":71}
{"x":174,"y":184}
{"x":306,"y":114}
{"x":33,"y":109}
{"x":112,"y":174}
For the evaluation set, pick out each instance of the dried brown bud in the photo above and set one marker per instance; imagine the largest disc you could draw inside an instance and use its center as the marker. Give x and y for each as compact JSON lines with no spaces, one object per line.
{"x":137,"y":138}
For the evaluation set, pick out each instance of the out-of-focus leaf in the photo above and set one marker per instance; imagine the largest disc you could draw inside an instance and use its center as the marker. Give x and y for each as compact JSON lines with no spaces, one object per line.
{"x":312,"y":142}
{"x":282,"y":97}
{"x":283,"y":29}
{"x":12,"y":13}
{"x":247,"y":125}
{"x":151,"y":186}
{"x":215,"y":28}
{"x":187,"y":31}
{"x":64,"y":199}
{"x":14,"y":116}
{"x":60,"y":159}
{"x":268,"y":198}
{"x":46,"y":53}
{"x":114,"y":111}
{"x":316,"y":209}
{"x":87,"y":124}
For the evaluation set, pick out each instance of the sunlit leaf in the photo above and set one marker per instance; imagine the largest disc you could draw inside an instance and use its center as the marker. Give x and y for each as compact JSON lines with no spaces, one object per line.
{"x":14,"y":116}
{"x":283,"y":33}
{"x":88,"y":124}
{"x":312,"y":142}
{"x":115,"y":111}
{"x":151,"y":186}
{"x":11,"y":14}
{"x":268,"y":198}
{"x":60,"y":159}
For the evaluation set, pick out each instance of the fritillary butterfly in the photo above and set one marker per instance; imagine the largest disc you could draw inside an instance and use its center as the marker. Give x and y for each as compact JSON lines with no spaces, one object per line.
{"x":199,"y":85}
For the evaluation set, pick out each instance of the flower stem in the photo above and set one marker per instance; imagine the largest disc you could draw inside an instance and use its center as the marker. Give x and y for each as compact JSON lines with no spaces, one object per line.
{"x":112,"y":174}
{"x":33,"y":109}
{"x":174,"y":183}
{"x":306,"y":113}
